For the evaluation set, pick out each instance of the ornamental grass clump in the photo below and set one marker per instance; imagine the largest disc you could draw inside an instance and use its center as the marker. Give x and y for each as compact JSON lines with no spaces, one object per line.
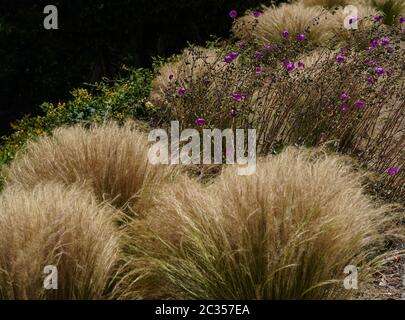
{"x":286,"y":232}
{"x":112,"y":159}
{"x":322,"y":27}
{"x":62,"y":227}
{"x":294,"y":18}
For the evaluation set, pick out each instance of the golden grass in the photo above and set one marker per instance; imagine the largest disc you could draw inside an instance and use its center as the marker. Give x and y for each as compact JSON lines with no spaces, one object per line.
{"x":329,"y":4}
{"x":286,"y":232}
{"x":188,"y":66}
{"x":54,"y":225}
{"x":320,"y":25}
{"x":112,"y":159}
{"x":295,"y":18}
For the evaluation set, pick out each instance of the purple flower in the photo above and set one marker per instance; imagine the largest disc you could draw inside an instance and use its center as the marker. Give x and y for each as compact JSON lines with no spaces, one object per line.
{"x":238,"y":97}
{"x":344,"y":96}
{"x":182,"y":91}
{"x":233,"y":55}
{"x":257,"y":14}
{"x":200,"y":122}
{"x":340,"y":58}
{"x":344,"y":108}
{"x":259,"y":69}
{"x":401,"y":20}
{"x":171,"y":77}
{"x":379,"y":70}
{"x":375,"y":43}
{"x":370,"y":62}
{"x":258,"y":54}
{"x":233,"y":14}
{"x":392,"y":171}
{"x":370,"y":80}
{"x":301,"y":37}
{"x":385,"y":41}
{"x":234,"y":113}
{"x":377,"y":18}
{"x":241,"y":44}
{"x":290,"y":66}
{"x":228,"y":59}
{"x":344,"y":50}
{"x":360,"y":104}
{"x":268,"y":47}
{"x":285,"y":34}
{"x":301,"y":64}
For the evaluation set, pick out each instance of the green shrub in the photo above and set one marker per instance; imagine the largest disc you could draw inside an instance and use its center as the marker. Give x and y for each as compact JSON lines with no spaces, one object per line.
{"x":107,"y":100}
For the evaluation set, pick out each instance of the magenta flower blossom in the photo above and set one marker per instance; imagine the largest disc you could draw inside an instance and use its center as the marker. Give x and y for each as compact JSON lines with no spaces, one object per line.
{"x":233,"y":14}
{"x":301,"y":37}
{"x":238,"y":97}
{"x":370,"y":80}
{"x":392,"y":171}
{"x":401,"y":20}
{"x":375,"y":43}
{"x":379,"y":70}
{"x":268,"y":47}
{"x":259,"y":69}
{"x":232,"y":55}
{"x":257,"y":14}
{"x":377,"y":18}
{"x":228,"y":59}
{"x":344,"y":96}
{"x":344,"y":108}
{"x":301,"y":64}
{"x":370,"y":62}
{"x":360,"y":104}
{"x":340,"y":58}
{"x":182,"y":91}
{"x":385,"y":41}
{"x":289,"y":66}
{"x":285,"y":34}
{"x":258,"y":54}
{"x":200,"y":122}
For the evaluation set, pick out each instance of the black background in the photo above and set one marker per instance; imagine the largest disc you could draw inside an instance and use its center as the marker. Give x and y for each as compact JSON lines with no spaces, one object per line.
{"x":94,"y":39}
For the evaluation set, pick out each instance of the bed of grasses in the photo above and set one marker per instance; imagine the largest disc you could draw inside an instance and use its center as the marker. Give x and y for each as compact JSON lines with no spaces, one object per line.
{"x":328,"y":105}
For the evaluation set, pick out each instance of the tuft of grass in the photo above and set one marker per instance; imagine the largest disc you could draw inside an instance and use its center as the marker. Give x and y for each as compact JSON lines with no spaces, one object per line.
{"x":295,"y":18}
{"x":328,"y":4}
{"x":194,"y":62}
{"x":322,"y":27}
{"x":59,"y":226}
{"x":112,"y":159}
{"x":286,"y":232}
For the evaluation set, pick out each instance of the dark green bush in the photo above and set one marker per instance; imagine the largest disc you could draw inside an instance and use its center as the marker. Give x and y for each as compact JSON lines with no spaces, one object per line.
{"x":108,"y":100}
